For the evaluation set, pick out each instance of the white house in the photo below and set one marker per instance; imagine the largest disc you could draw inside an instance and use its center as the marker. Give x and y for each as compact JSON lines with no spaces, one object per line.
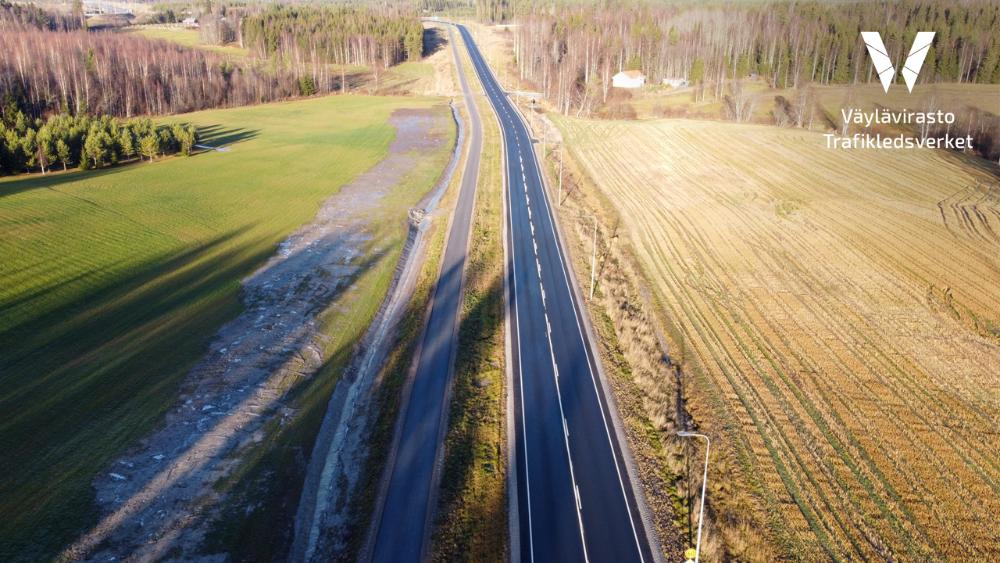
{"x":629,"y":79}
{"x":675,"y":82}
{"x":190,"y":22}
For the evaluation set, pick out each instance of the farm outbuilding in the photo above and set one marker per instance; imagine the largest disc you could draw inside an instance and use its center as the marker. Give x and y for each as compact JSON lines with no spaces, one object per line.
{"x":629,"y":79}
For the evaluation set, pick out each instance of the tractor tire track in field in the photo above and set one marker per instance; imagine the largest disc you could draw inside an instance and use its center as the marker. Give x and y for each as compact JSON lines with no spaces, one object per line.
{"x":157,"y":500}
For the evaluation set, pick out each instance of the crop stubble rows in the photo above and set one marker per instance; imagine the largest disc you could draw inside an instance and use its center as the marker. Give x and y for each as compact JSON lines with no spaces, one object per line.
{"x":850,"y":331}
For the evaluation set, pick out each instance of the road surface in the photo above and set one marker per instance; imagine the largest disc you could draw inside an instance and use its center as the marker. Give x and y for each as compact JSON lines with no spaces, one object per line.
{"x":404,"y":517}
{"x":575,"y":501}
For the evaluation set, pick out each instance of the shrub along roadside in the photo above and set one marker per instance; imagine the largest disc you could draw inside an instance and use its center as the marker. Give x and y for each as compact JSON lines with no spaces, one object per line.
{"x":84,"y":141}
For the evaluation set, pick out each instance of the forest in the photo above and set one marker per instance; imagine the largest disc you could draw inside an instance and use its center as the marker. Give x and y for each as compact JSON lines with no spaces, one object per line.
{"x":123,"y":75}
{"x":30,"y":15}
{"x":335,"y":34}
{"x":51,"y":66}
{"x":571,"y":50}
{"x":66,"y":140}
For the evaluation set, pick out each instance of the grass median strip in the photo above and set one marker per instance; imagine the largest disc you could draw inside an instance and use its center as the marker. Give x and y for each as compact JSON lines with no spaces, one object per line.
{"x":472,"y":507}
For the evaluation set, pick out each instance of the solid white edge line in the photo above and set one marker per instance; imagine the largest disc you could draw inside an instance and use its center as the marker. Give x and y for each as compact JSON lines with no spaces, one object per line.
{"x":590,"y":368}
{"x":470,"y":46}
{"x":556,"y":378}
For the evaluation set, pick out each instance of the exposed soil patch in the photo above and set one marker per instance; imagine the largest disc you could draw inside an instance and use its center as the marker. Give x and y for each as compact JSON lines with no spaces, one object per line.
{"x":324,"y":514}
{"x":156,"y":499}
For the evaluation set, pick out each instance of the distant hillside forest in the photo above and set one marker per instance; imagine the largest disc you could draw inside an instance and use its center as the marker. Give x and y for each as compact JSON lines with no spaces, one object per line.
{"x":342,"y":35}
{"x":125,"y":75}
{"x":571,"y":50}
{"x":29,"y":15}
{"x":50,"y":65}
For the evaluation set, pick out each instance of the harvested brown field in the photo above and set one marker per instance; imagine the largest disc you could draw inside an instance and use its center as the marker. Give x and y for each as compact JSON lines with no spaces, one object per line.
{"x":837,"y":316}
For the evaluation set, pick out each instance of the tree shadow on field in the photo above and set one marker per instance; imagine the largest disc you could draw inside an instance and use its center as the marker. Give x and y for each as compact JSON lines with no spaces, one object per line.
{"x":82,"y":380}
{"x":218,"y":136}
{"x":470,"y":415}
{"x":987,"y":167}
{"x":55,"y":178}
{"x":434,"y":41}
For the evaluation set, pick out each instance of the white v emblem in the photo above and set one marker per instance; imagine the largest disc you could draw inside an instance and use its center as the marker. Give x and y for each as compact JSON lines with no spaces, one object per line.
{"x":883,"y":64}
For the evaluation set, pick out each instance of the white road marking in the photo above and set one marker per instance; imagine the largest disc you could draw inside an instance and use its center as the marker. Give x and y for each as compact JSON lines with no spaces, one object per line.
{"x":520,"y":382}
{"x":483,"y":75}
{"x":590,"y":368}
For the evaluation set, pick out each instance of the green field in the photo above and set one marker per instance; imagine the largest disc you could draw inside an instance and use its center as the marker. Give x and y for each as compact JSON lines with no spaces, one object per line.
{"x":112,"y":282}
{"x":186,"y":37}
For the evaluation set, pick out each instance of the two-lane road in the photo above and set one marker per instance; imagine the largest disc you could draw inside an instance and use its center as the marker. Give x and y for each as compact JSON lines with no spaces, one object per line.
{"x":575,"y":501}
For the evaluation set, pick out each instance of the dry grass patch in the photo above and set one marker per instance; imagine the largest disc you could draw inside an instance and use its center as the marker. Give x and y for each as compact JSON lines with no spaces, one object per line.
{"x":836,"y":313}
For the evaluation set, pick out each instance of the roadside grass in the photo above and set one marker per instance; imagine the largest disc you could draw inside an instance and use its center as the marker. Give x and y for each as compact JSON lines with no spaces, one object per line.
{"x":472,"y":507}
{"x":844,"y":388}
{"x":113,"y":281}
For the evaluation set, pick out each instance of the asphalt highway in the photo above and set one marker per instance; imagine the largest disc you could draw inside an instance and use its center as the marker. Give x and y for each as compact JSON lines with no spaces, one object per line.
{"x":575,"y":501}
{"x":404,"y":516}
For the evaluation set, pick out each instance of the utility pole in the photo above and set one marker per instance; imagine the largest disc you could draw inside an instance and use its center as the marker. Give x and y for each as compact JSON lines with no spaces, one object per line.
{"x":559,"y":197}
{"x":545,"y":136}
{"x":687,"y":487}
{"x":593,"y":260}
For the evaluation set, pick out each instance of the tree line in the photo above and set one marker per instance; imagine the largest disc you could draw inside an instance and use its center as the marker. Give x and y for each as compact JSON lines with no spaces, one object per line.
{"x":571,"y":50}
{"x":64,"y":140}
{"x":347,"y":35}
{"x":494,"y":11}
{"x":30,"y":15}
{"x":126,"y":75}
{"x":48,"y":68}
{"x":308,"y":37}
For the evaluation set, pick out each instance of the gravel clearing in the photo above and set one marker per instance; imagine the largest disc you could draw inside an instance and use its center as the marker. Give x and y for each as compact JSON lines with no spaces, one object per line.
{"x":157,"y":500}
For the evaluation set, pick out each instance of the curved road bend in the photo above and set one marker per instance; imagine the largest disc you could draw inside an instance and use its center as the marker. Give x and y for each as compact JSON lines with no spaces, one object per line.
{"x":404,"y":518}
{"x":575,"y":500}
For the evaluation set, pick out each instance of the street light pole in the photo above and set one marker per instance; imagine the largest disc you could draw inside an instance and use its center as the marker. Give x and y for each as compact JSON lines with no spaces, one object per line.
{"x":593,"y":260}
{"x":704,"y":482}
